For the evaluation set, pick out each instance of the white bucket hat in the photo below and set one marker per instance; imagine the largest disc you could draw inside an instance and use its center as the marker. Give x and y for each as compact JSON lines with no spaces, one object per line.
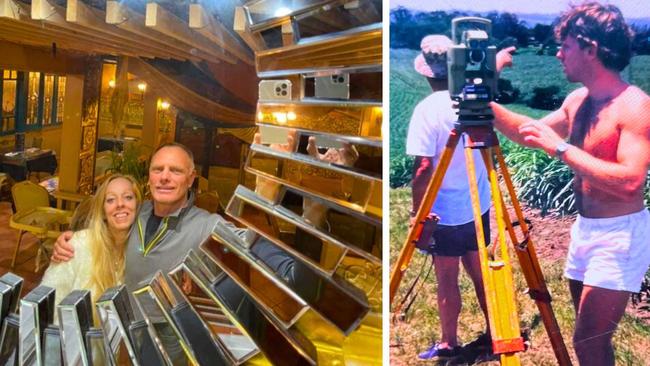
{"x":432,"y":62}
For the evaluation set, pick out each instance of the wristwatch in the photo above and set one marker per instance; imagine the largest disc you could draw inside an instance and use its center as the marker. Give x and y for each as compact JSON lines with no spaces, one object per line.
{"x":561,"y":148}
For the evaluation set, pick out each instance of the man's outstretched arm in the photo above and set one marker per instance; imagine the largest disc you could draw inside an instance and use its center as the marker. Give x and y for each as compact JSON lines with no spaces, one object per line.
{"x":63,"y":250}
{"x":508,"y":123}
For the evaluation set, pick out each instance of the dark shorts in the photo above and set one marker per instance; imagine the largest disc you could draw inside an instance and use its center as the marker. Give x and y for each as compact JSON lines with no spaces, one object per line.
{"x":456,"y":241}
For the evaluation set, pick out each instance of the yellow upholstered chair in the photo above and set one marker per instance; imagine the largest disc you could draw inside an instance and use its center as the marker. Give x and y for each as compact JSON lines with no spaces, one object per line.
{"x":34,"y":215}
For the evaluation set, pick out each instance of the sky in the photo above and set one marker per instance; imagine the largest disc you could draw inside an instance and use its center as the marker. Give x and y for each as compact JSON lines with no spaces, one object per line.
{"x":630,"y":8}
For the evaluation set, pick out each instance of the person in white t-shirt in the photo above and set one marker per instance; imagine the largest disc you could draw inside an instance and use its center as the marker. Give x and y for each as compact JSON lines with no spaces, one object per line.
{"x":454,"y":239}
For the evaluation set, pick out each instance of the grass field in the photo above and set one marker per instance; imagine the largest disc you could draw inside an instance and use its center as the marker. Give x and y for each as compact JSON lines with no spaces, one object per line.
{"x":407,"y":339}
{"x":407,"y":88}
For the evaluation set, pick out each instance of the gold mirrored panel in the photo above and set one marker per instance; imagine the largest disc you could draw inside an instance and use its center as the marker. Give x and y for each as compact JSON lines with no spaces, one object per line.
{"x":268,"y":290}
{"x":356,"y":47}
{"x":154,"y":306}
{"x":357,"y":154}
{"x":326,"y":180}
{"x":359,"y":233}
{"x":340,"y":118}
{"x":194,"y":278}
{"x":265,"y":13}
{"x":290,"y":232}
{"x":279,"y":345}
{"x":337,"y":302}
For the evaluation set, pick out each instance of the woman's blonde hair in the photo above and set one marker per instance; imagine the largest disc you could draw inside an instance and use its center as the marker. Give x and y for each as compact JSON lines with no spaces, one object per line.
{"x":107,"y":258}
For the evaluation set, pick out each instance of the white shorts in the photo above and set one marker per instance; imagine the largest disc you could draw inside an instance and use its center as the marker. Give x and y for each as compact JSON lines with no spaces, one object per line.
{"x":612,"y":253}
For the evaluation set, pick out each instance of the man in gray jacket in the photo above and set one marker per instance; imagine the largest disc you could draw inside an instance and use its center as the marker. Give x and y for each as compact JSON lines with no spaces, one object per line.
{"x":167,"y":226}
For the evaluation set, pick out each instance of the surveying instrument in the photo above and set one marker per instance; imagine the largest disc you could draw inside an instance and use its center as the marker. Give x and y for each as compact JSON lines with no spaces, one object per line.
{"x":472,"y":77}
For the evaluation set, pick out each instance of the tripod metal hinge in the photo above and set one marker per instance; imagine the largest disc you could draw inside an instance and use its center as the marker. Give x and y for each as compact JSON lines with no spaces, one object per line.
{"x":543,"y":296}
{"x":508,"y":345}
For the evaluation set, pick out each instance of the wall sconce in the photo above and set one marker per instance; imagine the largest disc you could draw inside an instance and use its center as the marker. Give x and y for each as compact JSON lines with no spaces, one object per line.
{"x":164,"y":105}
{"x":111,"y":83}
{"x":142,"y":87}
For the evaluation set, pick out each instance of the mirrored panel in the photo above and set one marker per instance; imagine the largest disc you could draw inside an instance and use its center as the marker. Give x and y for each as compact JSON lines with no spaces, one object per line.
{"x":263,"y":13}
{"x":6,"y":298}
{"x":96,"y":346}
{"x":115,"y":315}
{"x":356,"y":47}
{"x":325,"y":180}
{"x":146,"y":350}
{"x":352,"y":119}
{"x":9,"y":339}
{"x":289,"y":231}
{"x":357,"y":154}
{"x":155,"y":307}
{"x":16,"y":283}
{"x":75,"y":318}
{"x":359,"y":233}
{"x":193,"y":276}
{"x":52,"y":351}
{"x":194,"y":333}
{"x":280,"y":346}
{"x":266,"y":288}
{"x":341,"y":304}
{"x":36,"y":312}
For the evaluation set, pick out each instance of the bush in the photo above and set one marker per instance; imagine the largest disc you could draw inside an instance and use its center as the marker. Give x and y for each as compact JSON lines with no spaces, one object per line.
{"x":546,"y":98}
{"x":507,"y":93}
{"x":400,"y":171}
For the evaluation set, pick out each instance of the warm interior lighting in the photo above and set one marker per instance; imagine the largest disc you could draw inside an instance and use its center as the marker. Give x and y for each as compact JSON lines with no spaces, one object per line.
{"x":280,"y":117}
{"x":291,"y":116}
{"x":164,"y":105}
{"x":142,"y":87}
{"x":111,"y":83}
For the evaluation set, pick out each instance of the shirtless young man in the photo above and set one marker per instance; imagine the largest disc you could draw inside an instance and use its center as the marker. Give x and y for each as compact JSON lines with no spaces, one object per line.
{"x":607,"y":123}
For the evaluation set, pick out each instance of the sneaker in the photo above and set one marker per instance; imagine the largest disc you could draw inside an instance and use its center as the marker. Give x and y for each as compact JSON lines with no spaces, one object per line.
{"x":436,"y":352}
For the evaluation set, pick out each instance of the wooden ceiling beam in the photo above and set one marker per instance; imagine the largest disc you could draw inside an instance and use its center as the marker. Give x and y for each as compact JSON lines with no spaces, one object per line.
{"x":121,"y":16}
{"x":48,"y":36}
{"x":161,"y":20}
{"x":9,"y":9}
{"x":83,"y":15}
{"x":242,"y":27}
{"x":49,"y":13}
{"x":44,"y":41}
{"x":204,"y":23}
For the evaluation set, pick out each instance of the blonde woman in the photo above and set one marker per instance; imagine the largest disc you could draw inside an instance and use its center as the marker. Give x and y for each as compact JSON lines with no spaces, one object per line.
{"x":98,"y":263}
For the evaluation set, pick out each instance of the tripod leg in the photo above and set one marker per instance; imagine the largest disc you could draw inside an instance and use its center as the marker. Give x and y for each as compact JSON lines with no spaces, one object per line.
{"x":497,"y":273}
{"x":532,"y":270}
{"x":406,"y":254}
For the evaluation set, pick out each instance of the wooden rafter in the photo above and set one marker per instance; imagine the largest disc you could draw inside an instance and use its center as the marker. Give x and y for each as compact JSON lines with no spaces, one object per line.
{"x":202,"y":22}
{"x":81,"y":14}
{"x":163,"y":21}
{"x":48,"y":13}
{"x":242,"y":27}
{"x":121,"y":16}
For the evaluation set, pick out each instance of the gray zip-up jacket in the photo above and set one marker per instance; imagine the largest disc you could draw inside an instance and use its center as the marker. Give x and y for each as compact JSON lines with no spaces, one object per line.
{"x":177,"y":233}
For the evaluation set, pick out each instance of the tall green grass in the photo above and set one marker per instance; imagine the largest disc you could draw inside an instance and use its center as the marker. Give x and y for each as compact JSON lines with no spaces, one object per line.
{"x":541,"y":181}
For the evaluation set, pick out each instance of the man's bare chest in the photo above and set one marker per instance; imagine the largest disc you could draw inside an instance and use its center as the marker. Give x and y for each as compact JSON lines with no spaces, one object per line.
{"x":597,"y":132}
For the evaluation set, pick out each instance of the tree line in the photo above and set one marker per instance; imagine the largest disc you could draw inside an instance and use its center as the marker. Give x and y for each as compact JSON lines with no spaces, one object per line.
{"x":407,"y":28}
